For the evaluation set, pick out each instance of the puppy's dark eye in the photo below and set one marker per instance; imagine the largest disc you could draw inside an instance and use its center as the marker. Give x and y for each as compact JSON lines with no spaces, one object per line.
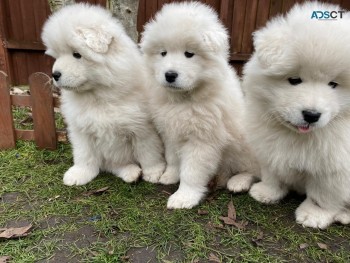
{"x":295,"y":81}
{"x":163,"y":53}
{"x":333,"y":84}
{"x":189,"y":54}
{"x":76,"y":55}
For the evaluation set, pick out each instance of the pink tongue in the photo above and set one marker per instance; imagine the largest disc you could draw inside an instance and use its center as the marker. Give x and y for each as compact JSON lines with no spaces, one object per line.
{"x":303,"y":129}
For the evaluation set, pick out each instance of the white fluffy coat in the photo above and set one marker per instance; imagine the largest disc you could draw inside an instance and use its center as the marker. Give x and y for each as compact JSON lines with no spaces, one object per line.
{"x":199,"y":111}
{"x":104,"y":100}
{"x":311,"y":158}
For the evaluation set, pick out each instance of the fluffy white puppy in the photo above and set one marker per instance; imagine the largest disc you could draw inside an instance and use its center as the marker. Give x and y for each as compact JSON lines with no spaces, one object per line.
{"x":197,"y":101}
{"x":101,"y":73}
{"x":297,"y":85}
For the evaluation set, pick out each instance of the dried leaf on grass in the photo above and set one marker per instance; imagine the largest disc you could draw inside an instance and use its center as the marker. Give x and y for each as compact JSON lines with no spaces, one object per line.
{"x":322,"y":246}
{"x":231,"y":211}
{"x":303,"y":246}
{"x":202,"y":212}
{"x":231,"y":217}
{"x":96,"y":192}
{"x":14,"y":232}
{"x":214,"y":258}
{"x":4,"y":259}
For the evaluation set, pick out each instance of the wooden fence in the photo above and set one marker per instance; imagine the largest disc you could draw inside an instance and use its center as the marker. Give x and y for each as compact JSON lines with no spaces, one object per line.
{"x":41,"y":101}
{"x":21,"y":50}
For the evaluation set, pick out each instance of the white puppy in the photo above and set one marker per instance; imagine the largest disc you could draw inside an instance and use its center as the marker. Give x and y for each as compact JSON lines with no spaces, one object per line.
{"x":197,"y":101}
{"x":101,"y":73}
{"x":298,"y":101}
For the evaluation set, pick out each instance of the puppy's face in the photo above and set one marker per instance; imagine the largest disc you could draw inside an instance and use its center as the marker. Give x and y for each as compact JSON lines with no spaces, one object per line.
{"x":71,"y":71}
{"x":80,"y":60}
{"x":178,"y":69}
{"x":302,"y":80}
{"x":303,"y":103}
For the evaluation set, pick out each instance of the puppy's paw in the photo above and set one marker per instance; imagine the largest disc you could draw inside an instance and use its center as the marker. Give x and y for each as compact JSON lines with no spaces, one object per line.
{"x":264,"y":193}
{"x":170,"y":176}
{"x":343,"y":217}
{"x":129,"y":173}
{"x":310,"y":214}
{"x":184,"y":199}
{"x":152,"y":174}
{"x":240,"y":182}
{"x":78,"y":176}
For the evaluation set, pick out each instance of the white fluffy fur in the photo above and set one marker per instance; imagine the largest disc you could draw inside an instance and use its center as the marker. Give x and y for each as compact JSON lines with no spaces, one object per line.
{"x":199,"y":114}
{"x":313,"y":161}
{"x":103,"y":96}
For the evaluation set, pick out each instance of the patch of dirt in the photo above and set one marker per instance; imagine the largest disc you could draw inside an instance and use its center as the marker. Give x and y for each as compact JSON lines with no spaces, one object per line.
{"x":175,"y":255}
{"x":81,"y":238}
{"x":18,"y":223}
{"x":54,"y":221}
{"x":10,"y":198}
{"x":141,"y":255}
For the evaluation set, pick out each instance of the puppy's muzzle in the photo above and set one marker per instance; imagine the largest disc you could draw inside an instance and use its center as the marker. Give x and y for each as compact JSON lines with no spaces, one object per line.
{"x":56,"y":75}
{"x":171,"y":76}
{"x":311,"y":116}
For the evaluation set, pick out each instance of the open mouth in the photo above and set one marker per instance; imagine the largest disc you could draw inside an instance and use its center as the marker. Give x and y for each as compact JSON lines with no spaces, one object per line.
{"x":303,"y":128}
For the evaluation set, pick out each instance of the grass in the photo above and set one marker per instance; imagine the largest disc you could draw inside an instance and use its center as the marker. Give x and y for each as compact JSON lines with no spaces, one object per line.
{"x":130,"y":222}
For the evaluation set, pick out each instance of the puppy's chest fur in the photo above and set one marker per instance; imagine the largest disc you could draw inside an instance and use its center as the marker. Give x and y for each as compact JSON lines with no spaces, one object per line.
{"x":288,"y":154}
{"x":99,"y":119}
{"x":187,"y":121}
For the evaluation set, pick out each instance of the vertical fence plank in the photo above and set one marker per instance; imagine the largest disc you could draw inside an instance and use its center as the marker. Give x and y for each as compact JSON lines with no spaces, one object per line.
{"x":43,"y":113}
{"x":7,"y":133}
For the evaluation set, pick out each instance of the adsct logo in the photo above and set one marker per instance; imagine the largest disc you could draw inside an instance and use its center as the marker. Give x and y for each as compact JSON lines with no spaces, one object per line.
{"x":327,"y":15}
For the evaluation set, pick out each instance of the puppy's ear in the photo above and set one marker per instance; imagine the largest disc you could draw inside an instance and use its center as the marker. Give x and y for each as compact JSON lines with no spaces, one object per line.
{"x":216,"y":41}
{"x":272,"y":47}
{"x":96,"y":39}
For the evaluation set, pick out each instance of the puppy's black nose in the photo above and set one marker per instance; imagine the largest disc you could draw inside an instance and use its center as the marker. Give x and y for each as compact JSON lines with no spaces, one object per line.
{"x":311,"y":116}
{"x":171,"y":76}
{"x":56,"y":75}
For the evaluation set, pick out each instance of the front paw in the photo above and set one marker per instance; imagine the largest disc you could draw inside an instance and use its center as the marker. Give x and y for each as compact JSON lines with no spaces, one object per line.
{"x":184,"y":199}
{"x":343,"y":217}
{"x":129,"y":173}
{"x":170,"y":176}
{"x":267,"y":194}
{"x":240,"y":182}
{"x":78,"y":176}
{"x":310,"y":214}
{"x":152,"y":174}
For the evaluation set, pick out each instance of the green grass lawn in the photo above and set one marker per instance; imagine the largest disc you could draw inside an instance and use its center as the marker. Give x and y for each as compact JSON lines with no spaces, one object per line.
{"x":130,"y":222}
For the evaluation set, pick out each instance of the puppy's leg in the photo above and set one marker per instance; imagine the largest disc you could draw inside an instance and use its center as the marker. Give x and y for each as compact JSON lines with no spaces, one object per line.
{"x":240,"y":182}
{"x":238,"y":157}
{"x":199,"y":163}
{"x":129,"y":173}
{"x":86,"y":161}
{"x":343,"y":217}
{"x":325,"y":201}
{"x":311,"y":214}
{"x":172,"y":172}
{"x":149,"y":152}
{"x":270,"y":190}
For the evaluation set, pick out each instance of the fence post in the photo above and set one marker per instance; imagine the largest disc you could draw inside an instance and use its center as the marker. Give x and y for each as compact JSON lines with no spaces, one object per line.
{"x":43,"y":111}
{"x":7,"y":131}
